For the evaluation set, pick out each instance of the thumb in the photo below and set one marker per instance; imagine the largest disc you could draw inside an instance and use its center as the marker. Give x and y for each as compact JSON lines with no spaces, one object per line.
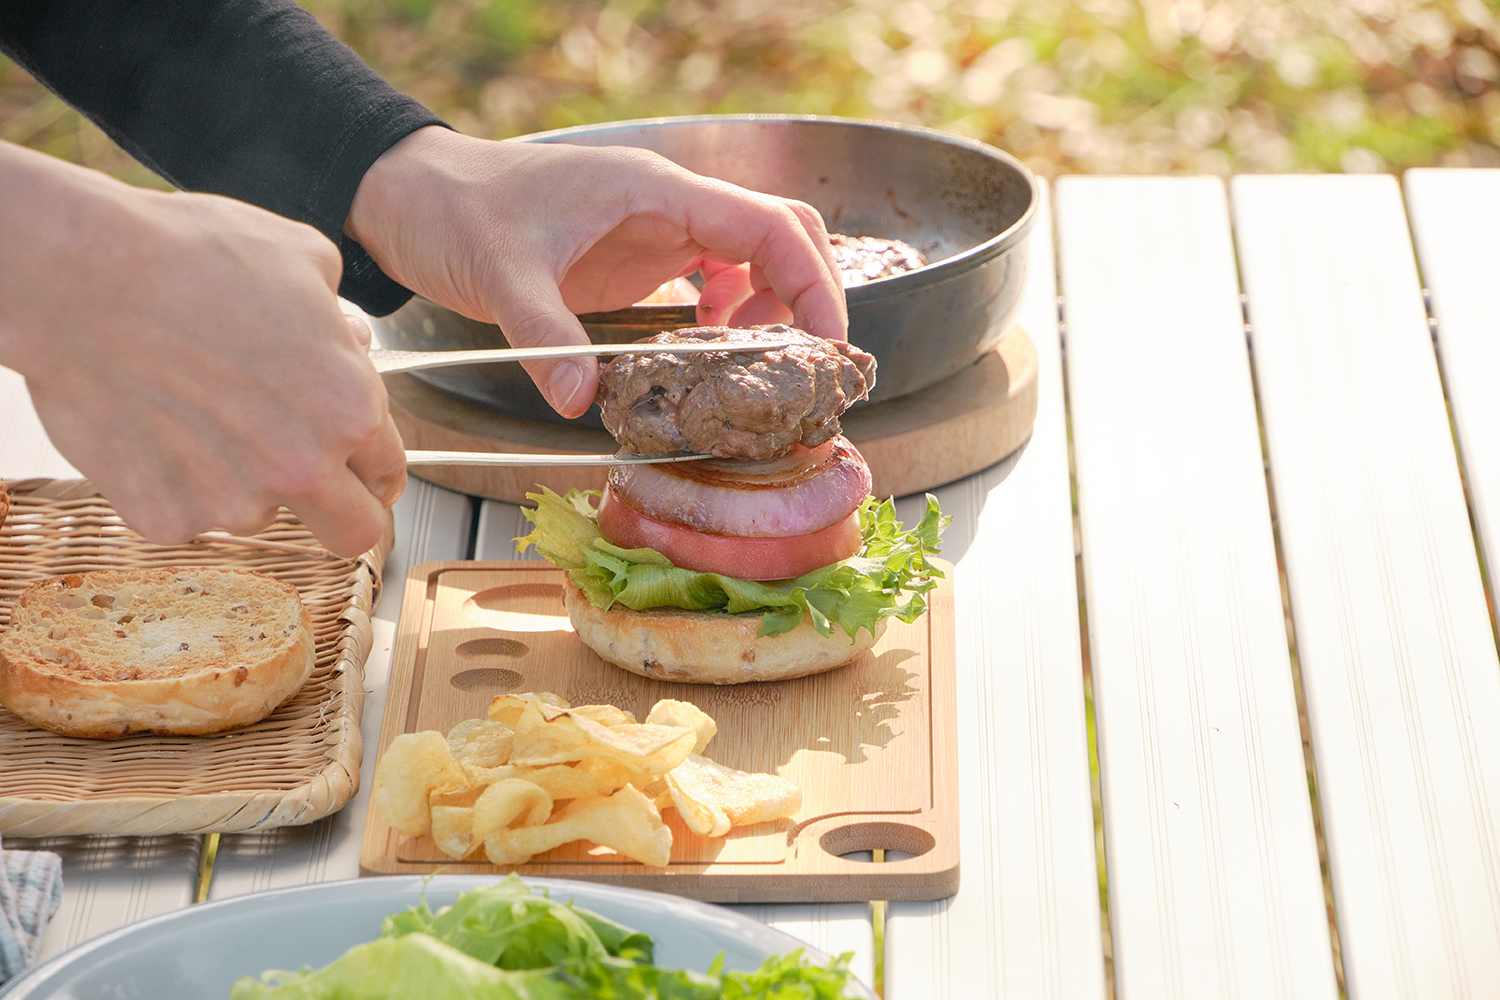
{"x":531,"y":313}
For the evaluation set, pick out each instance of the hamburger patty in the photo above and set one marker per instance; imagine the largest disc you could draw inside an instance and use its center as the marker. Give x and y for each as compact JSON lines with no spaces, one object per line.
{"x":746,"y":405}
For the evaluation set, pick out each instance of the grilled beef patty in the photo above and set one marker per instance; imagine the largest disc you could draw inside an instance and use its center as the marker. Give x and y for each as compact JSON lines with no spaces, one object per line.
{"x":745,"y":405}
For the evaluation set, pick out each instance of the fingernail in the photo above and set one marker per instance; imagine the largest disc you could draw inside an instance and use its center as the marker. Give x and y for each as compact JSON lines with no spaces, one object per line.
{"x":565,"y":380}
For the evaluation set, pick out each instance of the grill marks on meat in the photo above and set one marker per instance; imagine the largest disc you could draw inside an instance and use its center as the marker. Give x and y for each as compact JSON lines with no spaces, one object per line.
{"x":866,"y":258}
{"x":744,"y":405}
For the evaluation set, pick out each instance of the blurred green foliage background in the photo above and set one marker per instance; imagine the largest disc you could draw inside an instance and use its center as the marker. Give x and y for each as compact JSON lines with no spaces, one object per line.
{"x":1134,"y":86}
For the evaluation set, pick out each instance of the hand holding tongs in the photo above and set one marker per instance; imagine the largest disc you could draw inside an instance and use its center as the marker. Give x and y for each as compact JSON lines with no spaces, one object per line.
{"x":390,"y":361}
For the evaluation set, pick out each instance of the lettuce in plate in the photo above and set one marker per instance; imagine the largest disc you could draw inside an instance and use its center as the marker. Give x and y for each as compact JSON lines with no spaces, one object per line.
{"x":504,"y":942}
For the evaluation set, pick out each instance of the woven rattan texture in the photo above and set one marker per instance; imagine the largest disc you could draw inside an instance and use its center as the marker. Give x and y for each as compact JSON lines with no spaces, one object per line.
{"x":297,"y":765}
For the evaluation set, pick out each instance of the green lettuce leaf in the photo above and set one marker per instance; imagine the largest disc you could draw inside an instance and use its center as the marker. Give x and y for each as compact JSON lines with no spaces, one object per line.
{"x":780,"y":977}
{"x":505,"y":925}
{"x":885,"y":579}
{"x":411,"y":967}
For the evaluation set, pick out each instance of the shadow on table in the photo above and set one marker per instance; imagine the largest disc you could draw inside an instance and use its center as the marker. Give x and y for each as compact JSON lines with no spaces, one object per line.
{"x":963,"y":500}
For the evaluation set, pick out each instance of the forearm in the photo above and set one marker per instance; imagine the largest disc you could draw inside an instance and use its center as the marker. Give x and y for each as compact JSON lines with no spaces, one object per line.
{"x":246,"y":98}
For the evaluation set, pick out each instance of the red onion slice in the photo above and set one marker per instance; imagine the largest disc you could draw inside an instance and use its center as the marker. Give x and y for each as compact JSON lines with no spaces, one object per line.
{"x":803,"y":492}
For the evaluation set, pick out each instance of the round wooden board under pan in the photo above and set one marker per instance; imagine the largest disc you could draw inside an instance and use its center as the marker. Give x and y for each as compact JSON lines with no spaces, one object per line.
{"x":967,"y":422}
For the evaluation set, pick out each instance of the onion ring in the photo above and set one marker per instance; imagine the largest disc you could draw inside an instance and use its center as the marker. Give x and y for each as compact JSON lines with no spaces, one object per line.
{"x":805,"y":491}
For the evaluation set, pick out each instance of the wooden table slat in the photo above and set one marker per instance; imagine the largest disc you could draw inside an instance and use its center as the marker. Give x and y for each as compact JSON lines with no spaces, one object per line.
{"x":1214,"y":887}
{"x":1026,"y":920}
{"x":112,"y":881}
{"x":1398,"y":659}
{"x":1455,"y":216}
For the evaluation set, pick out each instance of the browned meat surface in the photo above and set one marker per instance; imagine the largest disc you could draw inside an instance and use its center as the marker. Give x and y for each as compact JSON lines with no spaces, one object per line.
{"x":865,"y":258}
{"x":743,"y":405}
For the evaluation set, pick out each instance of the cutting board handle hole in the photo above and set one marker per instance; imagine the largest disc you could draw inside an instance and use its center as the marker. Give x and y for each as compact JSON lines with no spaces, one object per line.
{"x":858,"y":838}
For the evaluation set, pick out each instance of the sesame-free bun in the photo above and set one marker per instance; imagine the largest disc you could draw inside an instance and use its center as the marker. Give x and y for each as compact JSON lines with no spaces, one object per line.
{"x":699,"y":647}
{"x":183,"y":651}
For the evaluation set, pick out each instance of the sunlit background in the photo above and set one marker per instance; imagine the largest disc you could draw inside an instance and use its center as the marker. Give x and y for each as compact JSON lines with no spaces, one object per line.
{"x":1095,"y":86}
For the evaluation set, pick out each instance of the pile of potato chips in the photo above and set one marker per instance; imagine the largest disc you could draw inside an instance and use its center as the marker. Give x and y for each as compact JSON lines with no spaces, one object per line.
{"x":539,"y":773}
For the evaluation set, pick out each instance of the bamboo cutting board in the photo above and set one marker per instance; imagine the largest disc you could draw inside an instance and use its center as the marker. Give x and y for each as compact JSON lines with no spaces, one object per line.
{"x":871,"y":744}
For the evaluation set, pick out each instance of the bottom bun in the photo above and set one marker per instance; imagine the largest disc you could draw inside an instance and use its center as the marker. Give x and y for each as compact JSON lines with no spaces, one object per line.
{"x":701,"y":647}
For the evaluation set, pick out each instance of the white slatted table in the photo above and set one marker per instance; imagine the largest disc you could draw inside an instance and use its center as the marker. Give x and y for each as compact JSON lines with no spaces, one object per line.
{"x":1208,"y":833}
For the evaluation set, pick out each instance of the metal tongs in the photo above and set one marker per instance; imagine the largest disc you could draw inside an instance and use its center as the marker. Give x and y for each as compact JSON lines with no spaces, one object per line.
{"x":388,"y":362}
{"x":391,"y":361}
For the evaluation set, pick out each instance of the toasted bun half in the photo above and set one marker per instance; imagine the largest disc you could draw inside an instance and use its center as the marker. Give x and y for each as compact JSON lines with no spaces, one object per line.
{"x":172,"y":651}
{"x":698,"y":647}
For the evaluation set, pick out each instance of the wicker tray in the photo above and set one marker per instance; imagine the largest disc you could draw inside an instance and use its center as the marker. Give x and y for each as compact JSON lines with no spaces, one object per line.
{"x":299,"y":764}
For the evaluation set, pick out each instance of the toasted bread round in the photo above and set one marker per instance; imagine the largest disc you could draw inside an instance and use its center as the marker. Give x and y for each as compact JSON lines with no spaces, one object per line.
{"x":698,"y":647}
{"x":181,"y":651}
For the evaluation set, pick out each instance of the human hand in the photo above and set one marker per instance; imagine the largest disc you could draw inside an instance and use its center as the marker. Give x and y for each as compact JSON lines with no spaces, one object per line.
{"x":525,"y":235}
{"x":188,"y":354}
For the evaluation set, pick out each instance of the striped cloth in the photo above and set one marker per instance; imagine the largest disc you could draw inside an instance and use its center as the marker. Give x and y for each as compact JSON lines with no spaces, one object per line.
{"x":30,"y":889}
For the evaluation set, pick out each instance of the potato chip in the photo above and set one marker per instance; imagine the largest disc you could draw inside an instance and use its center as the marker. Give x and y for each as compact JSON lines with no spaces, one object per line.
{"x":481,"y":776}
{"x":563,"y":782}
{"x":568,"y":737}
{"x":625,"y":822}
{"x":414,"y":766}
{"x":712,"y":798}
{"x":507,"y":803}
{"x":669,"y":712}
{"x":612,"y":774}
{"x":452,"y":827}
{"x":453,"y":831}
{"x":508,"y":707}
{"x":605,"y":715}
{"x":537,"y":774}
{"x":456,"y":797}
{"x":659,"y":792}
{"x":481,"y":742}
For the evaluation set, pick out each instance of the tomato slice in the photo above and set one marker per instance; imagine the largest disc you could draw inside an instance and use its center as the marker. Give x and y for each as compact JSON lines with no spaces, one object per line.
{"x":758,"y":558}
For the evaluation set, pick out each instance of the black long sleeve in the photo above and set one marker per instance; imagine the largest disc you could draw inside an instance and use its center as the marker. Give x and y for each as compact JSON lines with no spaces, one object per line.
{"x":247,"y":98}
